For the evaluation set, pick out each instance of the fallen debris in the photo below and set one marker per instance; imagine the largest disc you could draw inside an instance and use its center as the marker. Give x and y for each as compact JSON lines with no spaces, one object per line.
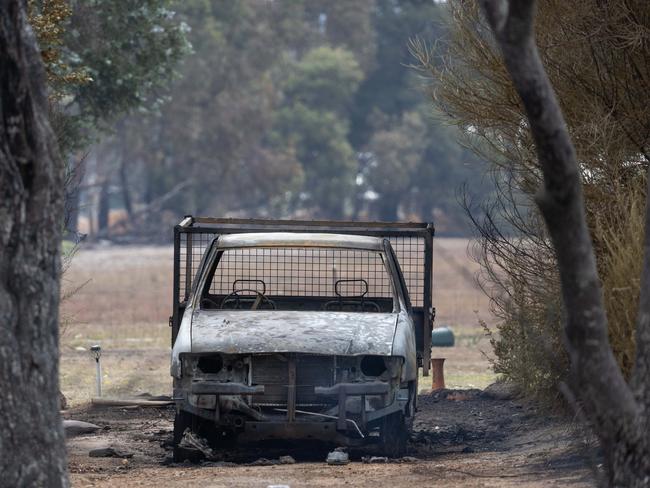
{"x":110,"y":452}
{"x":382,"y":459}
{"x":264,"y":462}
{"x":72,"y":428}
{"x":219,"y":464}
{"x":458,"y":396}
{"x":374,"y":459}
{"x":501,"y":390}
{"x":338,"y":458}
{"x":287,"y":460}
{"x":408,"y":459}
{"x":192,"y":441}
{"x":116,"y":402}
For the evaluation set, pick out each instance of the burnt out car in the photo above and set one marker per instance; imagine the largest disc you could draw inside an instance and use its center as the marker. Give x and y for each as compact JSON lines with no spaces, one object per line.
{"x":294,"y":335}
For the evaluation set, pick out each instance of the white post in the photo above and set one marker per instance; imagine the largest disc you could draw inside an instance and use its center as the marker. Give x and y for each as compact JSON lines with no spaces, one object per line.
{"x":97,"y":352}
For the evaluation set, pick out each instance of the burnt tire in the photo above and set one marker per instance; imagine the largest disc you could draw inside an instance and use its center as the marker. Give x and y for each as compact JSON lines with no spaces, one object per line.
{"x":394,"y":435}
{"x":182,"y":422}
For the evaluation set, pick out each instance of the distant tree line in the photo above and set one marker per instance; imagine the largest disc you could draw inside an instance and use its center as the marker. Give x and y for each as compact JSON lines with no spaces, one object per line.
{"x":281,"y":109}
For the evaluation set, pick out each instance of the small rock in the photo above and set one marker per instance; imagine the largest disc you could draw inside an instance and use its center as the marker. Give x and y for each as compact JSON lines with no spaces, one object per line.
{"x":264,"y":462}
{"x":219,"y":464}
{"x":338,"y":458}
{"x":501,"y":390}
{"x":374,"y":459}
{"x":457,"y":396}
{"x":287,"y":460}
{"x":167,"y":443}
{"x":77,"y":427}
{"x":409,"y":459}
{"x":467,"y":450}
{"x":110,"y":452}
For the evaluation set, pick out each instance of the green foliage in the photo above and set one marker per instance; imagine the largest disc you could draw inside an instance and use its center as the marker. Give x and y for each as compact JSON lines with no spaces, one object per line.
{"x":318,"y":92}
{"x":348,"y":24}
{"x":280,"y":109}
{"x":327,"y":159}
{"x":129,"y":49}
{"x":325,"y":79}
{"x":397,"y":152}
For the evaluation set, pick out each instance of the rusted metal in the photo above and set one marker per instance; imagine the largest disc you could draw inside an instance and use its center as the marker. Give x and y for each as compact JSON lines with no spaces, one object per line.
{"x":291,"y":389}
{"x":176,"y":314}
{"x":208,"y":387}
{"x":429,"y":312}
{"x":188,"y":266}
{"x":322,"y":430}
{"x":340,"y":422}
{"x":369,"y":388}
{"x":437,"y":373}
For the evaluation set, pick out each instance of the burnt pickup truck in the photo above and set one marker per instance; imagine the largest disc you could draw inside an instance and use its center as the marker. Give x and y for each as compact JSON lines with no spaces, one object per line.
{"x":299,"y":330}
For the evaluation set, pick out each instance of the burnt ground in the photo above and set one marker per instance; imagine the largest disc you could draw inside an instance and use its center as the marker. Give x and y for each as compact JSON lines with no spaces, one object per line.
{"x":461,"y":438}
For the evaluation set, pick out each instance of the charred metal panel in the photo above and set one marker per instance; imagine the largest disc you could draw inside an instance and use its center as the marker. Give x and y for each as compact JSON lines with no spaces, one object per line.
{"x":274,"y":372}
{"x":286,"y":239}
{"x":262,"y":331}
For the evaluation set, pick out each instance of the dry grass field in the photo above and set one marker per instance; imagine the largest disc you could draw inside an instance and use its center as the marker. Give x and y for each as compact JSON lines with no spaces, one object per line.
{"x":126,"y":301}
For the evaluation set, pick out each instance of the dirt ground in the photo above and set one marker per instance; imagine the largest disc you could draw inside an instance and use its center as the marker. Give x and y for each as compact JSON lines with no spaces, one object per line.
{"x":463,"y":437}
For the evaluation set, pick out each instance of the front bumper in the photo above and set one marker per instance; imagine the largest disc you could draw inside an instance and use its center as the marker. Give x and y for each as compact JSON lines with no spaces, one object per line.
{"x":290,"y":422}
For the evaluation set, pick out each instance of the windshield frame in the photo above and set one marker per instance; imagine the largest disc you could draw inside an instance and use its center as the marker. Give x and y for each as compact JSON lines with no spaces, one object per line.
{"x":209,"y":263}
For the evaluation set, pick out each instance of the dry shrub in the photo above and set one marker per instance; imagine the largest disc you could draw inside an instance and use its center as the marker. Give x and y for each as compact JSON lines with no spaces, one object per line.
{"x":619,"y":240}
{"x":597,"y":56}
{"x":518,"y":275}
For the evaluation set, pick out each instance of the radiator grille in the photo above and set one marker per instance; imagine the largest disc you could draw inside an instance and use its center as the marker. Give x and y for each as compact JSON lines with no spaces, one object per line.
{"x":272,"y":371}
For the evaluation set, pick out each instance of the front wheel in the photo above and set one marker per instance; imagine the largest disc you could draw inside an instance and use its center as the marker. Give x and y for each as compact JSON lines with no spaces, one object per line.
{"x":394,"y":435}
{"x":183,"y":421}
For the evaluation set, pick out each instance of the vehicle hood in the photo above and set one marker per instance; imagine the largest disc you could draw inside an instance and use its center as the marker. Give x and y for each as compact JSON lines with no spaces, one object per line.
{"x":341,"y":333}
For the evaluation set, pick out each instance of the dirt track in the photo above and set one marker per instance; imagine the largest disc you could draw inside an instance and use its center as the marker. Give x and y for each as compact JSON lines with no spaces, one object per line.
{"x":461,"y":438}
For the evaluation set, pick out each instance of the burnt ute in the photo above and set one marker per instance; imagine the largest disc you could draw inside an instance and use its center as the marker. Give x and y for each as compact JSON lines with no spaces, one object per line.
{"x":297,"y":330}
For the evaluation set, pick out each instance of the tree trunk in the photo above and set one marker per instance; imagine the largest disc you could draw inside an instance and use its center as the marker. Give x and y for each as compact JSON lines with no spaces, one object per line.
{"x":387,"y":206}
{"x":32,"y":451}
{"x":71,"y":217}
{"x":103,"y":208}
{"x":126,"y":192}
{"x":618,"y":417}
